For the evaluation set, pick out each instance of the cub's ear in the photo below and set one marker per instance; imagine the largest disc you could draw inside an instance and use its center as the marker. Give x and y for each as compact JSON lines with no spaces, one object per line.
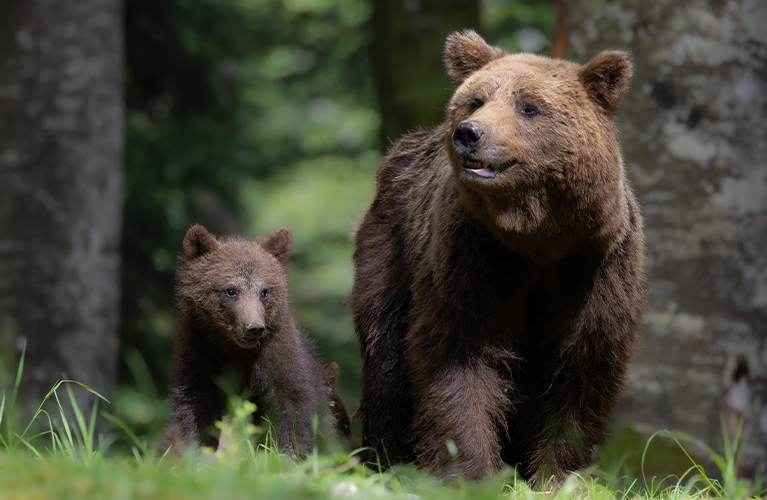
{"x":332,"y":371}
{"x":465,"y":53}
{"x":606,"y":77}
{"x":280,"y":244}
{"x":198,"y":241}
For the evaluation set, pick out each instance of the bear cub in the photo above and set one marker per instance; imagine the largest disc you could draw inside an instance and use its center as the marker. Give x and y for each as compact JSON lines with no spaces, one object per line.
{"x":499,"y":270}
{"x":235,"y":318}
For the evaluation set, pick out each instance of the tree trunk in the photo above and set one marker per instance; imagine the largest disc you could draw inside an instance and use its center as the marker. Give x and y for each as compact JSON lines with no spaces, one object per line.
{"x":695,"y":140}
{"x":408,"y":37}
{"x":61,"y":147}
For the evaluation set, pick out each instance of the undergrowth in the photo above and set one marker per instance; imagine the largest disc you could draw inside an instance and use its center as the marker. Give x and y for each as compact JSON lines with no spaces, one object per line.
{"x":61,"y":456}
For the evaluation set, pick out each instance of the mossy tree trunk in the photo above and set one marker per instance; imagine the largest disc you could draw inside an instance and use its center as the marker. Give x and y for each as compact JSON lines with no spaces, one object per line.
{"x":408,"y":37}
{"x":695,"y":141}
{"x":61,"y":147}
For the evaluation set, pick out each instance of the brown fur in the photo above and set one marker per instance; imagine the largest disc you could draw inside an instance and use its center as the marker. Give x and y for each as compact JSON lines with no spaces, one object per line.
{"x":496,"y":306}
{"x":235,"y":321}
{"x":338,"y":407}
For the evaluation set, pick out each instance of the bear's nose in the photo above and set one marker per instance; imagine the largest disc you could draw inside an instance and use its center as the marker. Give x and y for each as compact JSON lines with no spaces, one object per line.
{"x":467,"y":136}
{"x":255,"y":328}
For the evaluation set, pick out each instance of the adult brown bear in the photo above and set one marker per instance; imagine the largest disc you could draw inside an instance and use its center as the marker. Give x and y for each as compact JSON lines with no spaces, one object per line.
{"x":499,"y":270}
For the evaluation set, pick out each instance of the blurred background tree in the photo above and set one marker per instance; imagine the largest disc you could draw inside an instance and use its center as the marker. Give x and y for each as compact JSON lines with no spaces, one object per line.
{"x":61,"y":147}
{"x":695,"y":137}
{"x":249,"y":115}
{"x":411,"y":82}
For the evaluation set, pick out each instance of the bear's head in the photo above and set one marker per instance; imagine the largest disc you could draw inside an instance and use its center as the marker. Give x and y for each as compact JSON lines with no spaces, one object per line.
{"x":236,"y":289}
{"x":533,"y":143}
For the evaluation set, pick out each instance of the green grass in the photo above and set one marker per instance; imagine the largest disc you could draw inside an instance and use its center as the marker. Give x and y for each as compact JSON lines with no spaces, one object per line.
{"x":61,"y":456}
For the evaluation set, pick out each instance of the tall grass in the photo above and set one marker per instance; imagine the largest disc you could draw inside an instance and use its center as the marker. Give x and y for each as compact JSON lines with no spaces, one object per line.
{"x":69,"y":460}
{"x":68,"y":439}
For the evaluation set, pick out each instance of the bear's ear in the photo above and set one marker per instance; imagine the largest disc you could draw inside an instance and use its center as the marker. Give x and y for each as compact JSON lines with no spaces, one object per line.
{"x":465,"y":53}
{"x":198,"y":241}
{"x":606,"y":77}
{"x":332,"y":371}
{"x":280,"y":244}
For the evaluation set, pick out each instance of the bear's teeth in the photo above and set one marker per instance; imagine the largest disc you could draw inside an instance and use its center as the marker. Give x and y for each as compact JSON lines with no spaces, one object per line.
{"x":476,"y":164}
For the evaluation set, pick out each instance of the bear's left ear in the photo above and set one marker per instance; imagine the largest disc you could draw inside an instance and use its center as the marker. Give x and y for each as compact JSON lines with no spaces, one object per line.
{"x":280,"y":244}
{"x":198,"y":241}
{"x":465,"y":53}
{"x":606,"y":77}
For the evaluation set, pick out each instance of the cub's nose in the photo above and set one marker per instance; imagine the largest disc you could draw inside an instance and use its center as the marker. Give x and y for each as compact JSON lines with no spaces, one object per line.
{"x":467,"y":136}
{"x":256,"y":328}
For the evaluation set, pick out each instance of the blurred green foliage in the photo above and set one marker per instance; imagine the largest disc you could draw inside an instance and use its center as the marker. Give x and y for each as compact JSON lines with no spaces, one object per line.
{"x":519,"y":25}
{"x":244,"y":116}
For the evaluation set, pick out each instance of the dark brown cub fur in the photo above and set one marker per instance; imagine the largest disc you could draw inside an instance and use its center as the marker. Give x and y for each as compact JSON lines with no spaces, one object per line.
{"x":499,"y":270}
{"x":338,"y":408}
{"x":235,"y":320}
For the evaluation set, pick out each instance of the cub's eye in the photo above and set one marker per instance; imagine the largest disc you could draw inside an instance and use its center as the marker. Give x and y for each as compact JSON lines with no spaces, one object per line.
{"x":230,"y":292}
{"x":527,"y":109}
{"x":476,"y":103}
{"x":264,"y":294}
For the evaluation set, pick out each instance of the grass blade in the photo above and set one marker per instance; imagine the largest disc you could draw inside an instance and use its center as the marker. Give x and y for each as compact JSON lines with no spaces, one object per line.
{"x":64,"y":422}
{"x":122,"y":425}
{"x":92,"y":423}
{"x":18,"y":377}
{"x":95,"y":393}
{"x":81,"y":431}
{"x":28,"y":445}
{"x":141,"y":374}
{"x":40,"y":408}
{"x":8,"y":442}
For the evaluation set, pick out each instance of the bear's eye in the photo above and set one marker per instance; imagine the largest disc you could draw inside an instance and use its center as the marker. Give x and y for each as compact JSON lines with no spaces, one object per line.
{"x":230,"y":292}
{"x":264,"y":294}
{"x":527,"y":109}
{"x":476,"y":103}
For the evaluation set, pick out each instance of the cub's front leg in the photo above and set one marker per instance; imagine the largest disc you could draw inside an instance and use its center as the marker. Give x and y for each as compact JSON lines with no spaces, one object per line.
{"x":195,"y":410}
{"x":288,"y":395}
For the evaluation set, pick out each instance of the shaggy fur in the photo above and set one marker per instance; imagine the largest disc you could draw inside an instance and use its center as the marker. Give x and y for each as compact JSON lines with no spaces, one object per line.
{"x":499,"y":270}
{"x":338,"y":407}
{"x":235,"y":324}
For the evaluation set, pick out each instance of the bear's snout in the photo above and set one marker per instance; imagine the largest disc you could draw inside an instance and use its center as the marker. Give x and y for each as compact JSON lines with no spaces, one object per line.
{"x":251,"y":335}
{"x":251,"y":326}
{"x":254,"y":329}
{"x":467,"y":137}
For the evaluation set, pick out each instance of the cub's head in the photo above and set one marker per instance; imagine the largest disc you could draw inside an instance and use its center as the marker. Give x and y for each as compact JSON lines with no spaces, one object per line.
{"x":532,"y":141}
{"x":235,"y":287}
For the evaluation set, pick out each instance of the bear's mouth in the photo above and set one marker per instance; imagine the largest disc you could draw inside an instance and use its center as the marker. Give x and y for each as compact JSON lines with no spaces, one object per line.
{"x":479,"y":168}
{"x":247,"y":341}
{"x":482,"y":169}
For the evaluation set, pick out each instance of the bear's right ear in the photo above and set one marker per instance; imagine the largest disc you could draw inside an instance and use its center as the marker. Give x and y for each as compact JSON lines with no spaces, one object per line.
{"x":465,"y":53}
{"x":280,"y":244}
{"x":198,"y":241}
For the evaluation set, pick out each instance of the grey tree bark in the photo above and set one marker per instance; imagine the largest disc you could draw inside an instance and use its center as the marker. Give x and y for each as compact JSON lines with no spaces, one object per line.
{"x":694,"y":131}
{"x":61,"y":148}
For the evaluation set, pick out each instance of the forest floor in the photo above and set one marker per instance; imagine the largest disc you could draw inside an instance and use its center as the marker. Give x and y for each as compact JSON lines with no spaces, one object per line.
{"x":70,"y":460}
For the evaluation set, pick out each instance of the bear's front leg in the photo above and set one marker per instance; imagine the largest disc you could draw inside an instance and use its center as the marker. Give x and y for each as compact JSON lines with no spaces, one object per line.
{"x":286,"y":393}
{"x":569,"y":397}
{"x":294,"y":432}
{"x":463,"y":401}
{"x":195,"y":410}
